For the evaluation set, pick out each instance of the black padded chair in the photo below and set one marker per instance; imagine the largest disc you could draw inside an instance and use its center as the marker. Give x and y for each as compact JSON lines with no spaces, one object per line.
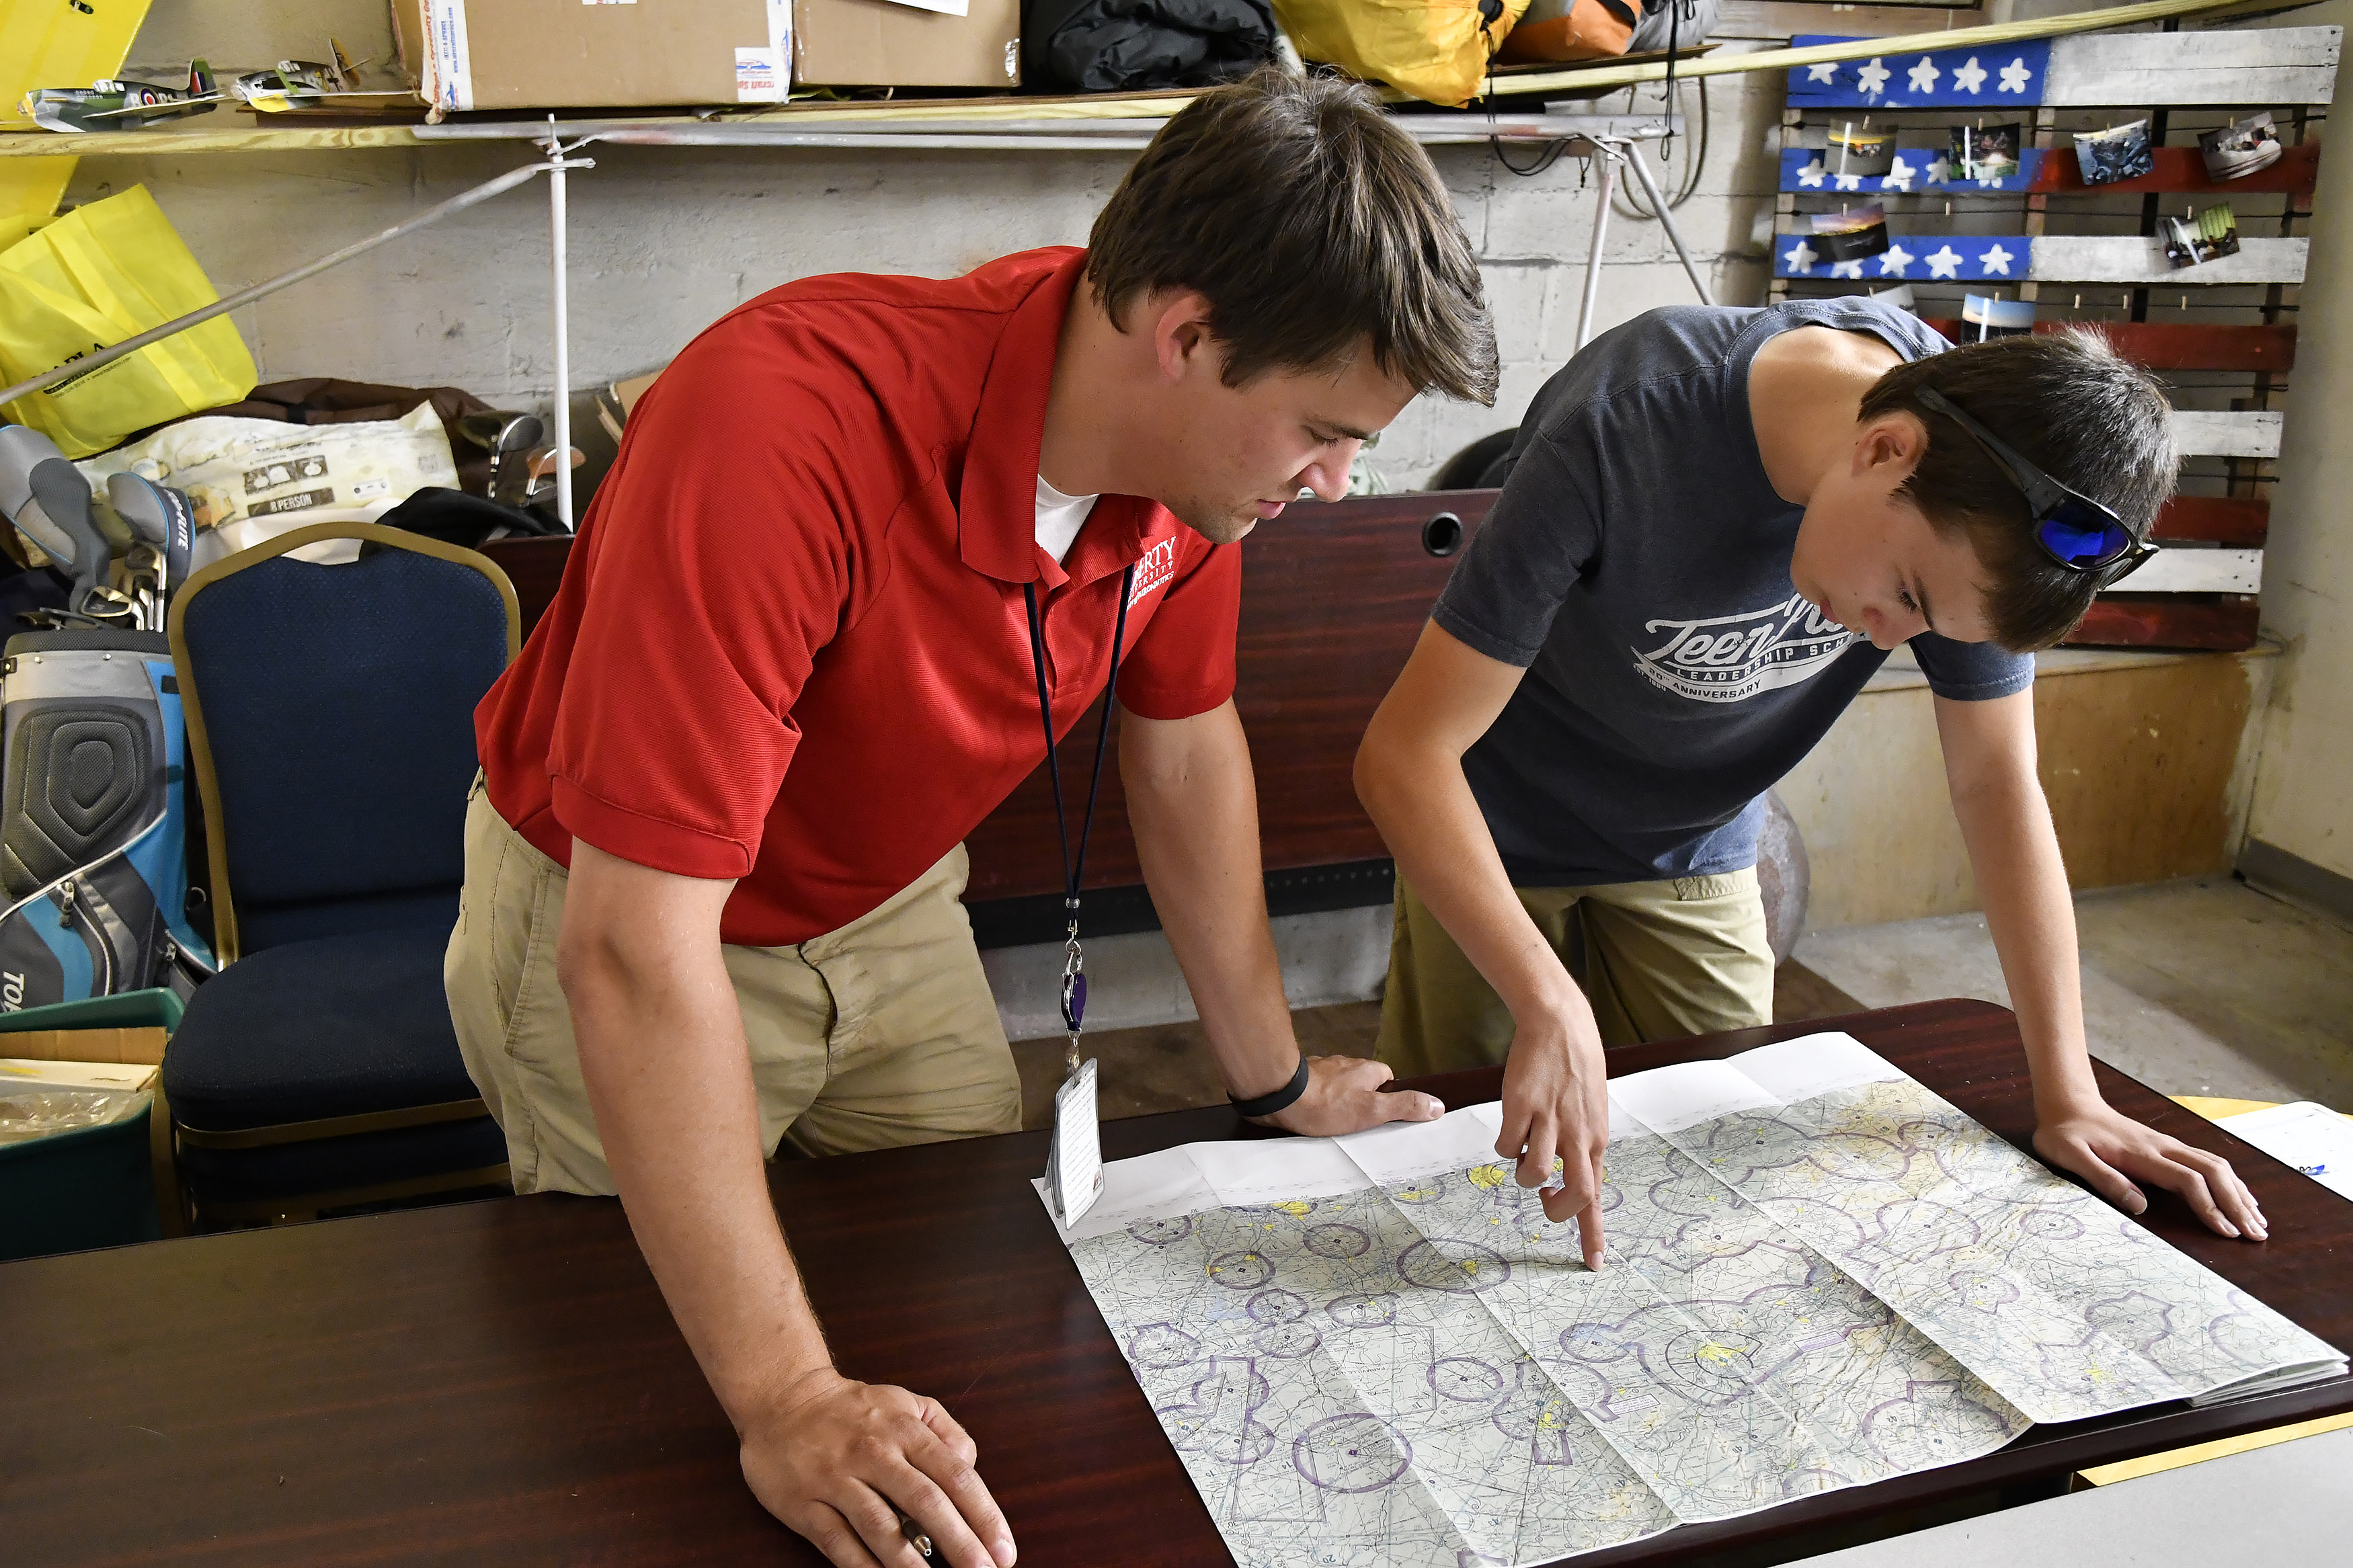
{"x":330,"y":713}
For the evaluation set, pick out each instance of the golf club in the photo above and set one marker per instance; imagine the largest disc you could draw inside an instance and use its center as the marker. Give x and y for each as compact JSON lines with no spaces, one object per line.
{"x":502,"y":436}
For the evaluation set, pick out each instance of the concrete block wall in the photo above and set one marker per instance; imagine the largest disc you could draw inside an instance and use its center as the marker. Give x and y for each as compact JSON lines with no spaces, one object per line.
{"x":664,"y":241}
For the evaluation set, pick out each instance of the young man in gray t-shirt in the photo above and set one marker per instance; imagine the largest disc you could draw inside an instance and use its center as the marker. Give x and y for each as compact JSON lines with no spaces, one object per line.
{"x":1718,"y":523}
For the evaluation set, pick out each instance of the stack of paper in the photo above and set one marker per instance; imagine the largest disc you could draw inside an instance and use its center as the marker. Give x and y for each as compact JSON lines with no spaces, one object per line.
{"x":1375,"y":1350}
{"x":2312,"y":1137}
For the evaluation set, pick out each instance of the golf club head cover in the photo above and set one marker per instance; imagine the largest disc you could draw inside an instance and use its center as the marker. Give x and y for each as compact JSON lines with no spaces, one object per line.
{"x":60,"y":491}
{"x":22,"y":451}
{"x":162,"y":516}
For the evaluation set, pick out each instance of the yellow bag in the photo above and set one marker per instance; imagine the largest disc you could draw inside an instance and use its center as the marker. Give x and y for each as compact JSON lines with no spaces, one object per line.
{"x":1435,"y":49}
{"x":101,"y":274}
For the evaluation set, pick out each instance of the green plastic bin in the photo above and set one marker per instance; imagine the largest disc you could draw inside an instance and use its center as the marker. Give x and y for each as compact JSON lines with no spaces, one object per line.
{"x":92,"y":1188}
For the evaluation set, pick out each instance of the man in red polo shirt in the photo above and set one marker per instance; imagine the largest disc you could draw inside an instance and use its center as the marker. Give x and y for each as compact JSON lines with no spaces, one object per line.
{"x":856,"y":535}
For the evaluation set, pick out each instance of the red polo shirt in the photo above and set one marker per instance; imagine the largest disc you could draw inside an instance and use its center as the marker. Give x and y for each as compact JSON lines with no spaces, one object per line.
{"x":790,"y":646}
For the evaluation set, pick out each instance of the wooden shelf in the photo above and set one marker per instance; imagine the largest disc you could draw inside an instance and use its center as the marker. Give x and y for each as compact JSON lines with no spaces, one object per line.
{"x":2173,"y":346}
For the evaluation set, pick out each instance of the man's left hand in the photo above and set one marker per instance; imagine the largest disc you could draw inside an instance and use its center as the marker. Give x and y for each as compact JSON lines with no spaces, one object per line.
{"x":1343,"y":1095}
{"x":2111,"y":1151}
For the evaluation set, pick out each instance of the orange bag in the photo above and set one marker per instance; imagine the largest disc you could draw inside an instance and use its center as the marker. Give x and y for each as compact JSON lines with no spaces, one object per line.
{"x":1570,"y":31}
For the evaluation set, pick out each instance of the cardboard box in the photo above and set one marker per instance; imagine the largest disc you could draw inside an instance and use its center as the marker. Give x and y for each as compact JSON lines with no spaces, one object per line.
{"x":881,"y":43}
{"x":627,"y":54}
{"x":137,"y":1046}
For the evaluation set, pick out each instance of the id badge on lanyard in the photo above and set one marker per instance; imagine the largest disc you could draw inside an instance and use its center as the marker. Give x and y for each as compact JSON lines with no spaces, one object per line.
{"x":1074,"y":1159}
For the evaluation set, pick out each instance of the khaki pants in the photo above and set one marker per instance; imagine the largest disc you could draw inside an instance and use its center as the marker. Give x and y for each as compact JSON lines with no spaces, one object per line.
{"x":1657,"y":960}
{"x":879,"y":1033}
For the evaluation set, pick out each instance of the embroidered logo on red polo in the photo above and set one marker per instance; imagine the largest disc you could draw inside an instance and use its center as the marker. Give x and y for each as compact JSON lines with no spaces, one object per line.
{"x":1728,"y":658}
{"x":1158,"y":566}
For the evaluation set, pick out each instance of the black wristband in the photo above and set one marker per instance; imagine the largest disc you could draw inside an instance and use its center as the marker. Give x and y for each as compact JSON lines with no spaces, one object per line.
{"x":1282,"y":1100}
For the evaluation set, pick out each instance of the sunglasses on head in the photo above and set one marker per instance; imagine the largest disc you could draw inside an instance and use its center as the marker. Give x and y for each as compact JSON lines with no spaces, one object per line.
{"x":2072,"y":528}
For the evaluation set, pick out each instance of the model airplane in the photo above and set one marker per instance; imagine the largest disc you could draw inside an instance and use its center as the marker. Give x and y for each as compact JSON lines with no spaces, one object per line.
{"x":111,"y":105}
{"x":135,"y":105}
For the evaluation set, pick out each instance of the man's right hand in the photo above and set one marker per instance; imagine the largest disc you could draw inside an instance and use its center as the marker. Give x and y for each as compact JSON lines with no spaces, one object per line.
{"x":1557,"y":1107}
{"x":831,"y":1456}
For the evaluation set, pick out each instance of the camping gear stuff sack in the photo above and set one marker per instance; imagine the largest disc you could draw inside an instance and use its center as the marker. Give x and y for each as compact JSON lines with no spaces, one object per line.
{"x":1135,"y":46}
{"x":93,"y":819}
{"x":97,"y":276}
{"x":1435,"y":49}
{"x":1572,"y":30}
{"x":1601,"y":30}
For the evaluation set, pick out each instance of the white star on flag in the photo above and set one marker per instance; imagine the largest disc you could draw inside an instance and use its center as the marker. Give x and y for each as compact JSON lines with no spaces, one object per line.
{"x":1811,"y":175}
{"x":1826,"y":72}
{"x":1939,"y":170}
{"x":1873,"y":79}
{"x":2015,"y":76}
{"x":1847,"y":269}
{"x":1943,"y":262}
{"x":1997,"y":260}
{"x":1992,"y":179}
{"x":1970,"y":77}
{"x":1850,"y":182}
{"x":1801,"y":257}
{"x":1893,"y":260}
{"x":1923,"y":75}
{"x":1899,"y":175}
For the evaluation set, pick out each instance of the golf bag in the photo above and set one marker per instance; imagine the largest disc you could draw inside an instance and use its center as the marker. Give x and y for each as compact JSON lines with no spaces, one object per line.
{"x":93,"y":819}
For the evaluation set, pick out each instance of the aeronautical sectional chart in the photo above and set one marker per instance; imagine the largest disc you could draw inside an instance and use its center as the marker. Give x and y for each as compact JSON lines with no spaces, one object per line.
{"x":1374,"y":1350}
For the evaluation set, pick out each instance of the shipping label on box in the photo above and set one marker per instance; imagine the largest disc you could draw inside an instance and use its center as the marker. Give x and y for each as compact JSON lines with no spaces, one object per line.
{"x":764,"y":73}
{"x":446,"y":64}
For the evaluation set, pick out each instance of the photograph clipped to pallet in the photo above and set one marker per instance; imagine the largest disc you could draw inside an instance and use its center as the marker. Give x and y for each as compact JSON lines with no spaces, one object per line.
{"x":1988,"y":316}
{"x":2240,"y":148}
{"x":1856,"y":149}
{"x":1983,"y":152}
{"x":1851,"y":234}
{"x":2201,"y":236}
{"x":2119,"y":153}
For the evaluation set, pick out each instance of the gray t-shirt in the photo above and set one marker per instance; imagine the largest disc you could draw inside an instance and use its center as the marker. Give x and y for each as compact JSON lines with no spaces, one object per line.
{"x":1636,"y":565}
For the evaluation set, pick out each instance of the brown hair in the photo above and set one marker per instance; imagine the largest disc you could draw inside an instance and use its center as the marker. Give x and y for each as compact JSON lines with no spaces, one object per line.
{"x":1311,"y":223}
{"x":2068,"y":403}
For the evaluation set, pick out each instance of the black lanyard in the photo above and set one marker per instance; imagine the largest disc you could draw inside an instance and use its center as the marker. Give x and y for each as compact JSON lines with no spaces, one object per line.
{"x":1074,"y":977}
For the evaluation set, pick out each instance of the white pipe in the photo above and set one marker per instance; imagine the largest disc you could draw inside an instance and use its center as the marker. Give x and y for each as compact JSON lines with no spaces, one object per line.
{"x":1607,"y":159}
{"x":563,"y":312}
{"x":1666,"y":218}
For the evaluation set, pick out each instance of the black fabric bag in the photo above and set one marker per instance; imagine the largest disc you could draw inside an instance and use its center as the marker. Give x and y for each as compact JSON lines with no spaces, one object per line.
{"x":467,"y":519}
{"x":1129,"y":46}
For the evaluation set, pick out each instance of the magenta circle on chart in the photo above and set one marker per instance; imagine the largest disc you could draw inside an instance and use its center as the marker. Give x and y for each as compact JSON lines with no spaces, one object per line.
{"x":1162,"y":1345}
{"x":1242,"y":1270}
{"x":1358,"y":1452}
{"x":1362,"y":1310}
{"x":1465,"y":1379}
{"x":1336,"y":1241}
{"x":1286,"y":1341}
{"x":1276,"y":1307}
{"x":1457,"y":1267}
{"x":1161,"y":1232}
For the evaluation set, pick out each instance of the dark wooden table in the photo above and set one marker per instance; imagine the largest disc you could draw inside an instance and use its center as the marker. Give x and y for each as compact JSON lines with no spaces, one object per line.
{"x":499,"y":1381}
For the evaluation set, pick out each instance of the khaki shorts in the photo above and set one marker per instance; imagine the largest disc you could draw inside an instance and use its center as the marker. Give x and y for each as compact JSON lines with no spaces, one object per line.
{"x":1657,"y":961}
{"x":879,"y":1034}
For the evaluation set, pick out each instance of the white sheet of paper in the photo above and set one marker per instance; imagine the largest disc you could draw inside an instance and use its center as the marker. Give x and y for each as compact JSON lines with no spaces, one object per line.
{"x":1409,"y":1150}
{"x":1075,"y":1166}
{"x":1799,"y":1070}
{"x":2312,"y":1137}
{"x":1668,"y":1100}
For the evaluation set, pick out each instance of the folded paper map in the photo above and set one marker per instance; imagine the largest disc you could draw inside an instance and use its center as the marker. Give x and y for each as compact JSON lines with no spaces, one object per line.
{"x":1375,"y":1350}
